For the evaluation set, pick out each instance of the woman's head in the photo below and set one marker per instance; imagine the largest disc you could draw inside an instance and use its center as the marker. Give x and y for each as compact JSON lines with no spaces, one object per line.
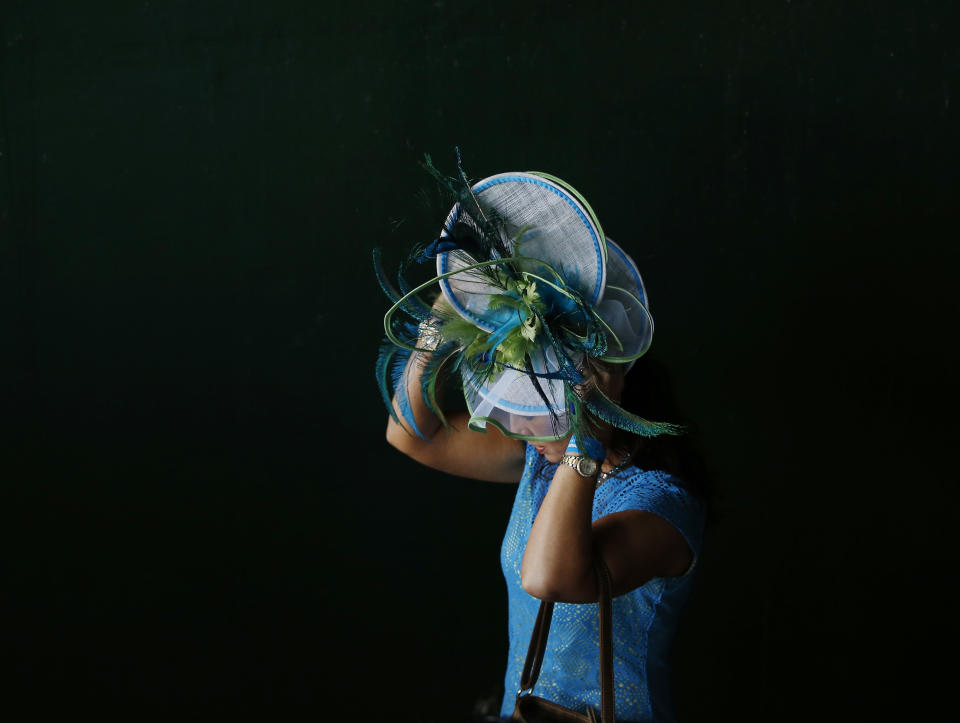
{"x":534,"y":294}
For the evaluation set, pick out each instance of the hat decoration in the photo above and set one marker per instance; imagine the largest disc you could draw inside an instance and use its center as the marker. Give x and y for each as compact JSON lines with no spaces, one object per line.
{"x":531,"y":291}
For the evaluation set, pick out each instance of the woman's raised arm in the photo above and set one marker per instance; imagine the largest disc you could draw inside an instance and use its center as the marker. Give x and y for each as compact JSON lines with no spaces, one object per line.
{"x":457,"y":450}
{"x":636,"y":545}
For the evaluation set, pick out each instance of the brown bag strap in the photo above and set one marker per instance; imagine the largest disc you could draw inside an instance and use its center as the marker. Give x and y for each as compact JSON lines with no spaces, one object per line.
{"x":538,"y":645}
{"x":607,"y":702}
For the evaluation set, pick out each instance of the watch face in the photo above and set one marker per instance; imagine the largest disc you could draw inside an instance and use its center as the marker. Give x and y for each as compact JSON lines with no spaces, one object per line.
{"x":587,"y":466}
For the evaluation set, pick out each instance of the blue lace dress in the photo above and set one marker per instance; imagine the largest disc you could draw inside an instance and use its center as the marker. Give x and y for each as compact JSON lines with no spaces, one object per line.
{"x":644,"y":620}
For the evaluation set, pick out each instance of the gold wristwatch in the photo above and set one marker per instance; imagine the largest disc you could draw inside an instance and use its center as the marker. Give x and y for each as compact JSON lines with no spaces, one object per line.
{"x":585,"y":466}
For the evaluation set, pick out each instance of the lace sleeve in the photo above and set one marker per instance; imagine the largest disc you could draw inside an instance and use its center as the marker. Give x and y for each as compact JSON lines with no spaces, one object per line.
{"x":661,"y":494}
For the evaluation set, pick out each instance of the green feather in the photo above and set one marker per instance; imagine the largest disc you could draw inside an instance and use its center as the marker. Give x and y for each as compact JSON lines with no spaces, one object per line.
{"x":460,"y":330}
{"x":514,"y":349}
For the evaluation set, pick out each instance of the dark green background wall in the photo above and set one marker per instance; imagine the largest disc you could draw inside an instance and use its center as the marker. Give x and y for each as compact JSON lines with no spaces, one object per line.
{"x":203,"y":513}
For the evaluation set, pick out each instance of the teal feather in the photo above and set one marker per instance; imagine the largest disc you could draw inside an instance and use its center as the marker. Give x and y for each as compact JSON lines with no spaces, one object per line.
{"x":414,"y":306}
{"x":581,"y":423}
{"x":451,"y":185}
{"x":481,"y":232}
{"x":605,"y":409}
{"x":430,"y":377}
{"x":400,"y":394}
{"x":385,"y":359}
{"x":385,"y":284}
{"x":391,"y":363}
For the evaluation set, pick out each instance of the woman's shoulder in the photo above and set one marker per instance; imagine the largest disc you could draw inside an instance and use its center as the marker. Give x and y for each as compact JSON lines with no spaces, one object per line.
{"x":655,"y":478}
{"x":651,"y":489}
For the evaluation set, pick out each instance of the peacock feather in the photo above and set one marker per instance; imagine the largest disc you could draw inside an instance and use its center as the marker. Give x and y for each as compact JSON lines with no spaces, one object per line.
{"x":605,"y":409}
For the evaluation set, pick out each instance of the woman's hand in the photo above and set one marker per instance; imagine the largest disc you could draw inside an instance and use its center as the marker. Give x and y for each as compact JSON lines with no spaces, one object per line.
{"x":455,"y":449}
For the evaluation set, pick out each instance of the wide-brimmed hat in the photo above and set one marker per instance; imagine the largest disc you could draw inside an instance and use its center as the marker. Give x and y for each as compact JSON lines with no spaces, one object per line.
{"x":532,"y":288}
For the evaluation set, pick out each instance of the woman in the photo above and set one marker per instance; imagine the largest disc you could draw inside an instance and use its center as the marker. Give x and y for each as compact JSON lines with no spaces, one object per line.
{"x":541,"y":339}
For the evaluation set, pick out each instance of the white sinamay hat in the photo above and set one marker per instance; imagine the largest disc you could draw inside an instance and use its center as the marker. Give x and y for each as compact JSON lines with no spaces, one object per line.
{"x":533,"y":287}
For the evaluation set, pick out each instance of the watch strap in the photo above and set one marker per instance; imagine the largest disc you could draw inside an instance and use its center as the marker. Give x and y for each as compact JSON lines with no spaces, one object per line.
{"x":584,"y":466}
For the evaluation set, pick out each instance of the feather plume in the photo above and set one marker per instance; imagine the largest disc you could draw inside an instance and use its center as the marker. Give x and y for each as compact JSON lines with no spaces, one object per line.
{"x":605,"y":409}
{"x":385,"y":361}
{"x":398,"y":373}
{"x":431,"y":369}
{"x":385,"y":283}
{"x":413,"y":304}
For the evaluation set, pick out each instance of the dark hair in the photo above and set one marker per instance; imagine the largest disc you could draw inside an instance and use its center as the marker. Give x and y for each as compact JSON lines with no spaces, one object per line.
{"x":648,"y":392}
